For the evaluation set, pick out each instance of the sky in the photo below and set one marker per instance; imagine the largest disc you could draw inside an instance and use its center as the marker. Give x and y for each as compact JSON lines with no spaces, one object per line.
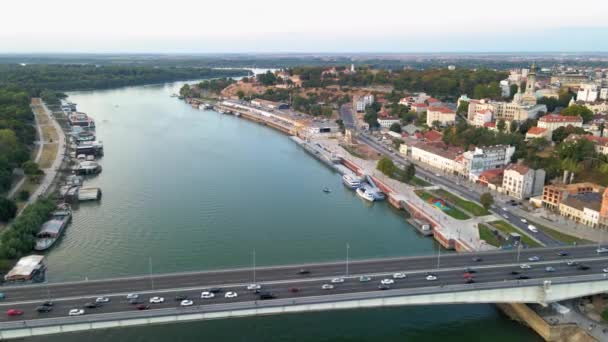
{"x":228,"y":26}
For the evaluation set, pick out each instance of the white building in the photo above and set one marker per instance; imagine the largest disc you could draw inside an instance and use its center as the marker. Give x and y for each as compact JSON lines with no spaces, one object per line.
{"x":505,"y":88}
{"x":387,"y":122}
{"x":360,"y":105}
{"x":368,"y":99}
{"x":552,"y":122}
{"x":481,"y":117}
{"x":587,"y":93}
{"x":437,"y":155}
{"x":604,"y":94}
{"x":485,"y":158}
{"x":444,"y":115}
{"x":521,"y":182}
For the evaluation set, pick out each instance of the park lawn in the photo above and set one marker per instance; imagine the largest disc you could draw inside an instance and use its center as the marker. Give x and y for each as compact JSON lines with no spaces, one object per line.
{"x":569,"y":239}
{"x":353,"y":152}
{"x":486,"y":234}
{"x":49,"y":152}
{"x":49,"y":133}
{"x":419,"y":182}
{"x":469,"y":206}
{"x":508,"y":228}
{"x":453,"y":212}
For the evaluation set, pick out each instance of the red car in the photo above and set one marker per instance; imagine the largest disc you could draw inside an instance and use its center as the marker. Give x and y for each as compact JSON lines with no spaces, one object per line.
{"x":468,"y":275}
{"x":294,"y":289}
{"x":142,"y":307}
{"x":14,"y":312}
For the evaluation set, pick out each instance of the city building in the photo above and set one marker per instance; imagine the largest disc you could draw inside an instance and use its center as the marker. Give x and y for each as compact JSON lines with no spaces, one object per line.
{"x":491,"y":178}
{"x":587,"y":92}
{"x":583,"y":208}
{"x":604,"y":94}
{"x":481,"y":117}
{"x":368,"y":99}
{"x":554,"y":194}
{"x":360,"y":105}
{"x":521,"y":182}
{"x":474,"y":162}
{"x":269,"y":104}
{"x":537,"y":132}
{"x":437,"y":155}
{"x":419,"y":107}
{"x":529,"y":96}
{"x":601,"y":143}
{"x":569,"y":79}
{"x":508,"y":111}
{"x":444,"y":115}
{"x":552,"y":122}
{"x":386,"y":122}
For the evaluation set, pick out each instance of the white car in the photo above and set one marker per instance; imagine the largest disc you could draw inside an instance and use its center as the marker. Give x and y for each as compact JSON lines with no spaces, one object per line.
{"x":524,"y":221}
{"x":254,"y":287}
{"x":505,"y":209}
{"x":337,"y":280}
{"x":157,"y":300}
{"x":431,"y":277}
{"x":327,"y":286}
{"x":186,"y":302}
{"x":76,"y":312}
{"x":399,"y":275}
{"x":602,"y":250}
{"x":387,"y":281}
{"x":534,"y":258}
{"x":605,"y":270}
{"x":532,"y":228}
{"x":132,"y":296}
{"x":102,"y":300}
{"x":364,"y":279}
{"x":524,"y":266}
{"x":230,"y":294}
{"x":207,"y":295}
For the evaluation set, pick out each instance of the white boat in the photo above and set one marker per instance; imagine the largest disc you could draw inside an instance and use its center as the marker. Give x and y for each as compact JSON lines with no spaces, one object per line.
{"x":351,"y":181}
{"x":368,"y":196}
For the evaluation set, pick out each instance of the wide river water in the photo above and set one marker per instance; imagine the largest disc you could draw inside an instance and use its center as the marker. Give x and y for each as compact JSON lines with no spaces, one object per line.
{"x":185,"y":189}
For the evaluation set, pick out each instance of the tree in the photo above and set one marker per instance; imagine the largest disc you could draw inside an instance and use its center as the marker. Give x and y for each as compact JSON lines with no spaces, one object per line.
{"x":410,"y":172}
{"x":580,"y":110}
{"x":463,"y":108}
{"x":561,"y":133}
{"x":386,"y":166}
{"x":501,"y":125}
{"x":8,"y":209}
{"x":340,"y":123}
{"x":512,"y":90}
{"x":267,"y":79}
{"x":240,"y":94}
{"x":395,"y":128}
{"x":31,"y":168}
{"x":538,"y":144}
{"x":436,"y":124}
{"x":185,"y":90}
{"x":486,"y":200}
{"x":513,"y":126}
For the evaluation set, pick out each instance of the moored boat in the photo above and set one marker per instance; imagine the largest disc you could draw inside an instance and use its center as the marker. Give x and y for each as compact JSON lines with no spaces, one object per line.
{"x":53,"y":228}
{"x":366,"y":195}
{"x":351,"y":181}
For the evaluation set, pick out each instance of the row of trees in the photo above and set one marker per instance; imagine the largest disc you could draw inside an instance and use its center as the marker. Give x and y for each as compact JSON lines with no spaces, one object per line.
{"x":18,"y":240}
{"x":386,"y":166}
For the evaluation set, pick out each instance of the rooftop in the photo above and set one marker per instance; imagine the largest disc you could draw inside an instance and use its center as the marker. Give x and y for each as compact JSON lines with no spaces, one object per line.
{"x":560,"y":118}
{"x":443,"y":110}
{"x":536,"y":130}
{"x":440,"y":149}
{"x":591,"y":200}
{"x":25,"y":267}
{"x":519,"y":168}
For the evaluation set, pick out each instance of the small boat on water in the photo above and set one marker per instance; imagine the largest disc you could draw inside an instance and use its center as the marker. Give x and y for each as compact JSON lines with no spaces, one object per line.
{"x":326,"y":190}
{"x":351,"y":181}
{"x":52,"y":229}
{"x":366,"y":195}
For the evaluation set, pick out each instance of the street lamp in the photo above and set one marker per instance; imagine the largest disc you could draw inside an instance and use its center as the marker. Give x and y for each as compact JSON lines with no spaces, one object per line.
{"x":347,"y":250}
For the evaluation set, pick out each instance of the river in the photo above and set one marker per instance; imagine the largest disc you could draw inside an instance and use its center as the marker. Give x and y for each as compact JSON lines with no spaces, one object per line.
{"x":185,"y":189}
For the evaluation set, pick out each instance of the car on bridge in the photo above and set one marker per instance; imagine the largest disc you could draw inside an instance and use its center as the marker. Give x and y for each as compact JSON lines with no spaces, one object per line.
{"x":525,"y":266}
{"x":14,"y":312}
{"x":303,"y":271}
{"x":230,"y":294}
{"x":157,"y":300}
{"x":562,"y":253}
{"x":399,"y":275}
{"x":571,"y":263}
{"x":583,"y":267}
{"x":294,"y":289}
{"x":92,"y":305}
{"x":383,"y":287}
{"x":549,"y":269}
{"x":44,"y":309}
{"x":207,"y":295}
{"x":477,"y":259}
{"x":180,"y":298}
{"x":76,"y":312}
{"x":337,"y":280}
{"x":469,"y":280}
{"x":132,"y":296}
{"x":136,"y":301}
{"x":431,"y":277}
{"x":2,"y":296}
{"x":387,"y":281}
{"x":186,"y":302}
{"x":534,"y":258}
{"x":327,"y":287}
{"x":142,"y":307}
{"x":267,"y":295}
{"x":254,"y":287}
{"x":364,"y":279}
{"x":102,"y":300}
{"x":602,"y":250}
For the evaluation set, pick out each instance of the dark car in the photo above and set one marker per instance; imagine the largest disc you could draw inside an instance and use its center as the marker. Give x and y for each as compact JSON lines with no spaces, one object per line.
{"x":215,"y":290}
{"x":469,"y":280}
{"x":266,"y":295}
{"x":294,"y":289}
{"x":136,"y":301}
{"x":179,"y":298}
{"x":515,"y":272}
{"x":523,"y":276}
{"x":44,"y":308}
{"x":48,"y":303}
{"x":142,"y":307}
{"x":92,"y":305}
{"x":384,"y":287}
{"x":583,"y":267}
{"x":303,"y":271}
{"x":477,"y":259}
{"x":469,"y":270}
{"x":562,"y":253}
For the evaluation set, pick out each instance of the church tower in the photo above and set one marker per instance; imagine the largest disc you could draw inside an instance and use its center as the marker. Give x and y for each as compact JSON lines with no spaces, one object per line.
{"x":529,"y":96}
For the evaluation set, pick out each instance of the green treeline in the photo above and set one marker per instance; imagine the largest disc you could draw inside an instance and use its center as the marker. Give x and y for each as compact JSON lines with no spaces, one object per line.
{"x":18,"y":240}
{"x":443,"y":83}
{"x":16,"y":132}
{"x":61,"y":77}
